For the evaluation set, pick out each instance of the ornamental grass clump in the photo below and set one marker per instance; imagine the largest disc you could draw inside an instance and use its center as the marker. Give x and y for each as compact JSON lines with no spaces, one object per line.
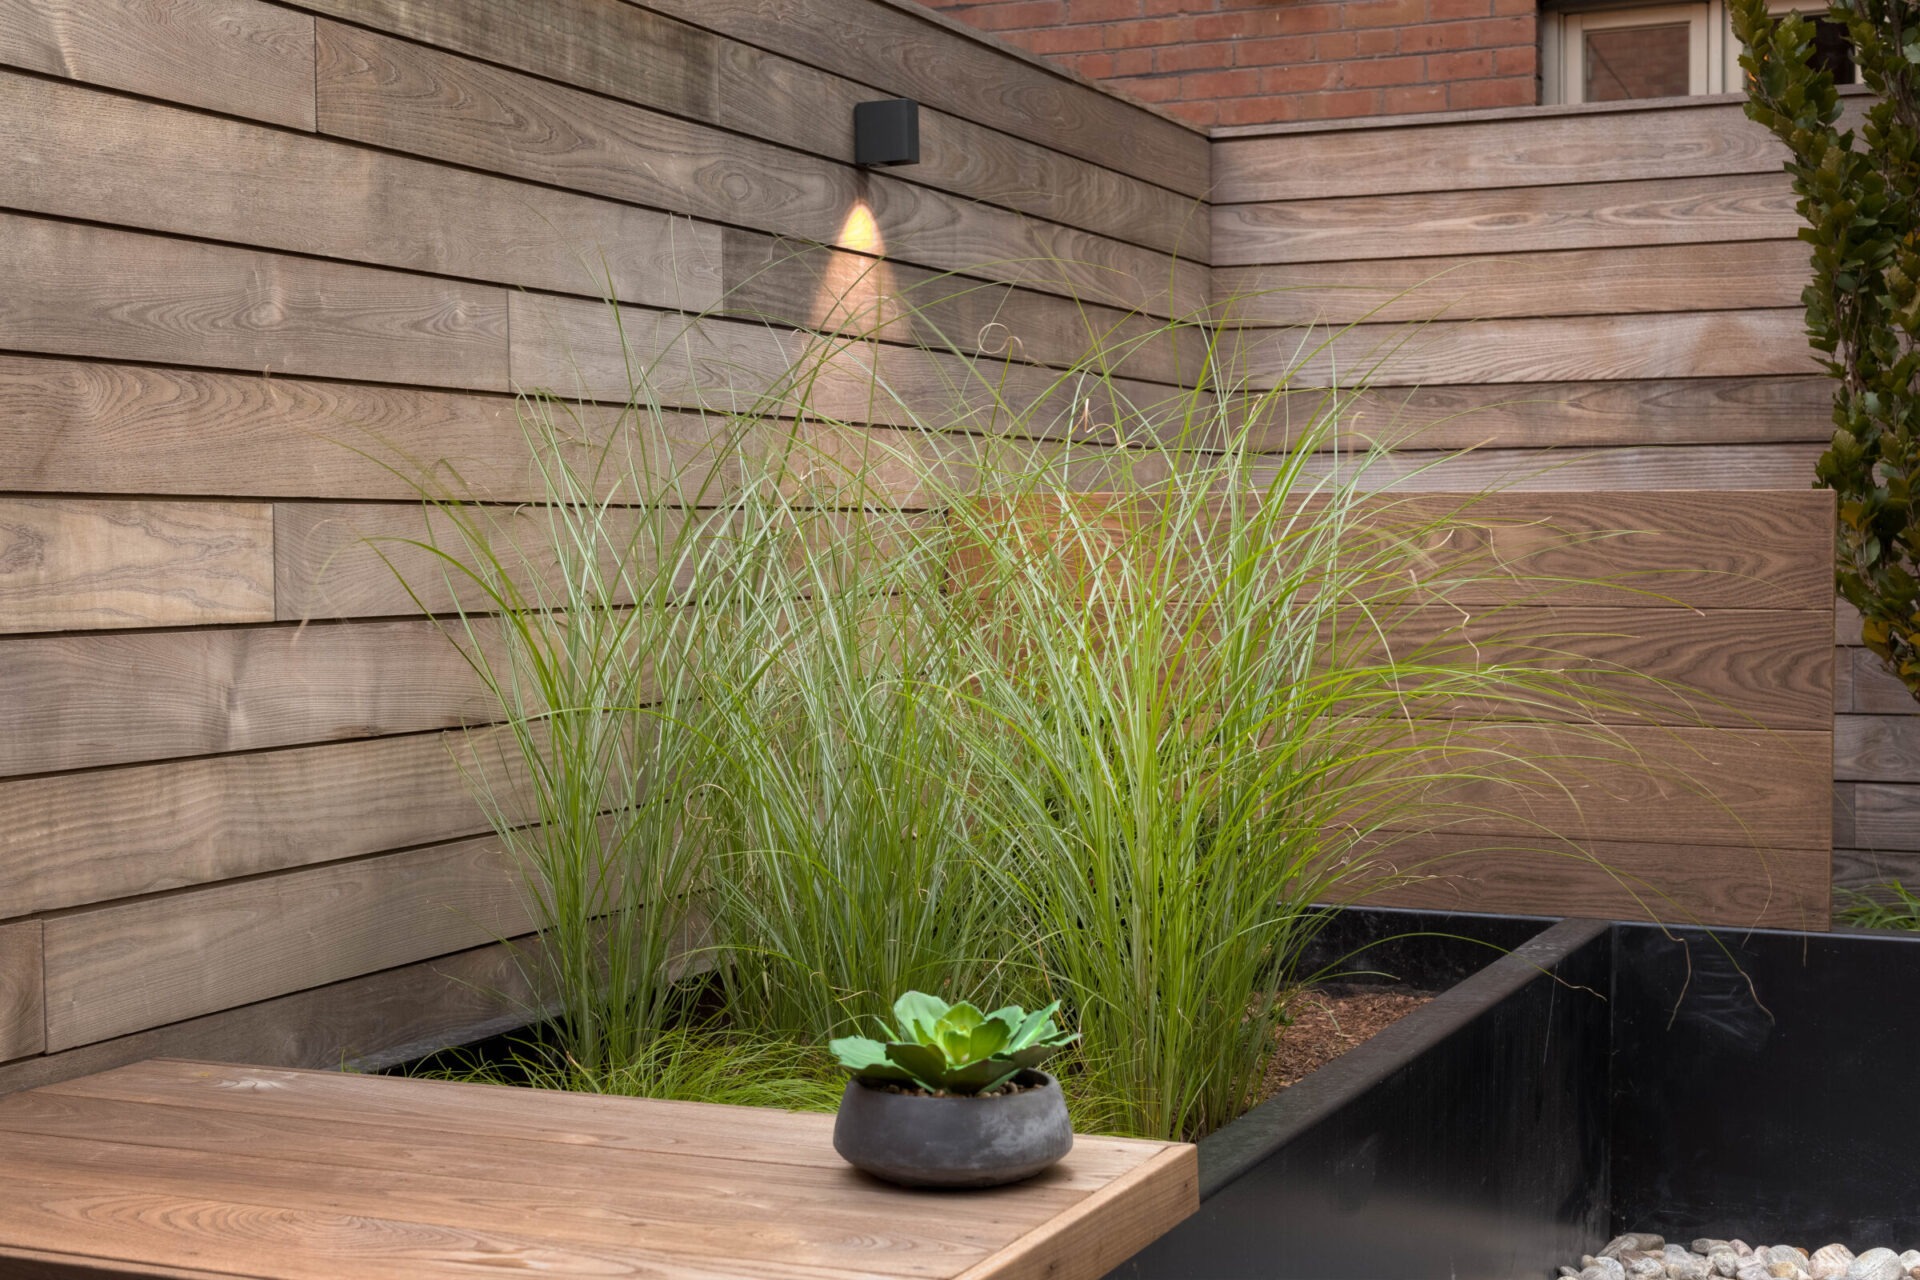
{"x":1081,"y":689}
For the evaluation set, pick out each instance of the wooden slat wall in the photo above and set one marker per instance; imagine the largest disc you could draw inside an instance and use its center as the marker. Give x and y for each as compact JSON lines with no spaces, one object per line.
{"x":1580,"y":298}
{"x":244,"y":244}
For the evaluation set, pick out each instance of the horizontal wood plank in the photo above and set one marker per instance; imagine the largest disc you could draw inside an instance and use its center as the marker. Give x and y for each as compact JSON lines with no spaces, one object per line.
{"x":68,"y":289}
{"x":574,"y":349}
{"x":1664,"y":411}
{"x":89,"y":837}
{"x":23,"y":1023}
{"x":381,"y":91}
{"x":125,"y":967}
{"x":1644,"y":549}
{"x":1745,"y":788}
{"x":1870,"y":748}
{"x":1863,"y":869}
{"x":94,"y":564}
{"x":793,"y":283}
{"x":1741,"y":275}
{"x":1688,"y":141}
{"x":1886,"y":815}
{"x":79,"y":701}
{"x":242,"y":57}
{"x":651,"y":60}
{"x":908,"y":53}
{"x":1660,"y":879}
{"x":1571,"y":469}
{"x":1510,"y":220}
{"x":1711,"y":344}
{"x":87,"y":154}
{"x":1872,"y":688}
{"x":364,"y":1024}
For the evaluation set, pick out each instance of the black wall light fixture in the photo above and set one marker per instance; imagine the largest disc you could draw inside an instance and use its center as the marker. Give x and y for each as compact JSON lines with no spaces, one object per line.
{"x":886,"y":132}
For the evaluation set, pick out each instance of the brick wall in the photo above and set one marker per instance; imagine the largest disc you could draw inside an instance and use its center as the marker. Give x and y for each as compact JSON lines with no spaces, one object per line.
{"x":1227,"y":62}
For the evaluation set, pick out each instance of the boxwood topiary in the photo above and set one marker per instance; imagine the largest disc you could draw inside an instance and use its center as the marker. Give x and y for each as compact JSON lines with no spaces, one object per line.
{"x":1860,"y":196}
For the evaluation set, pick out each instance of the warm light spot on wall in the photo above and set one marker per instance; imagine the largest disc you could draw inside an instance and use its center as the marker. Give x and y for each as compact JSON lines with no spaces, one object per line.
{"x":855,"y":293}
{"x":860,"y":232}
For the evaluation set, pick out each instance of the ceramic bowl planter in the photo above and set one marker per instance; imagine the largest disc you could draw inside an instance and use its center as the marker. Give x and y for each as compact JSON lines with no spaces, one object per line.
{"x":920,"y":1139}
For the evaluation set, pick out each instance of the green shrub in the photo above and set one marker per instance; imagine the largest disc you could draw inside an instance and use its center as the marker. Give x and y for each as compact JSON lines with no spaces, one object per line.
{"x":1860,"y":196}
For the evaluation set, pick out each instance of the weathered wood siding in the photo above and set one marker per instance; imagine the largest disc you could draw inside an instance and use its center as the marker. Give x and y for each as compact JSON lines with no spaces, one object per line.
{"x":239,"y":236}
{"x":1565,"y":299}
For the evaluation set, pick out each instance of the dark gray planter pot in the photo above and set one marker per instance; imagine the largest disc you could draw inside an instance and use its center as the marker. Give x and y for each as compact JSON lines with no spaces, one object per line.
{"x":918,"y":1140}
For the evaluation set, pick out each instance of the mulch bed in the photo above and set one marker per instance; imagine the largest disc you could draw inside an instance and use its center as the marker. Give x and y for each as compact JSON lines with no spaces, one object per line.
{"x":1325,"y":1024}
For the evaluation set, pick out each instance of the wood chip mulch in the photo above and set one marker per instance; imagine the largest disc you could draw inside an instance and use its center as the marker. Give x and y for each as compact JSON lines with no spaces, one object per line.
{"x":1325,"y":1025}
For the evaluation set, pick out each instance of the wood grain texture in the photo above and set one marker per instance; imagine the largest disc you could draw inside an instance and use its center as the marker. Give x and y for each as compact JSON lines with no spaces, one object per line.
{"x":637,"y":1187}
{"x":407,"y":97}
{"x":1744,"y":788}
{"x":85,"y":426}
{"x":80,"y":701}
{"x":92,"y":563}
{"x":574,"y":349}
{"x":68,"y":289}
{"x":1876,"y":748}
{"x":1644,"y":549}
{"x":345,"y":560}
{"x":1102,"y":1233}
{"x":82,"y":838}
{"x":1734,"y":668}
{"x":1688,"y":141}
{"x":1660,"y":879}
{"x":1868,"y":868}
{"x":1574,"y":470}
{"x":86,"y":154}
{"x":907,"y":54}
{"x":646,"y":58}
{"x":1510,"y":220}
{"x":793,"y":283}
{"x":1706,"y":277}
{"x":1886,"y":815}
{"x":366,"y":1023}
{"x":1874,"y":689}
{"x":1667,"y":411}
{"x":128,"y":966}
{"x":23,"y":1023}
{"x":1711,"y":344}
{"x":241,"y":57}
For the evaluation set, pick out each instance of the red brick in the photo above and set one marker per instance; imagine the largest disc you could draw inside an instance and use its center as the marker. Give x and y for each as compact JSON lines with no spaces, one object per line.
{"x":1414,"y":97}
{"x":1017,"y":14}
{"x":1382,"y":13}
{"x":1335,"y":45}
{"x":1300,"y":79}
{"x":1521,"y":60}
{"x":1451,"y":10}
{"x":1262,"y":110}
{"x":1204,"y":114}
{"x":1098,"y":10}
{"x":1374,"y":73}
{"x":1474,"y":64}
{"x":1221,"y":84}
{"x":1132,"y":35}
{"x":1194,"y":57}
{"x":1059,"y":40}
{"x":1151,"y":88}
{"x":1110,"y":66}
{"x":1470,"y":94}
{"x":1371,"y":44}
{"x":1435,"y":37}
{"x":1276,"y":51}
{"x":1342,"y":105}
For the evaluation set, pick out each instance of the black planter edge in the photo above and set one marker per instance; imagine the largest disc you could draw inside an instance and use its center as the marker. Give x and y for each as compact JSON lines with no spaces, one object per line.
{"x":1231,"y":1151}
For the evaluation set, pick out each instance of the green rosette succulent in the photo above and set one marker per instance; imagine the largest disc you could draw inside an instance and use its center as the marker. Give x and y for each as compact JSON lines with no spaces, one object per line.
{"x":955,"y":1048}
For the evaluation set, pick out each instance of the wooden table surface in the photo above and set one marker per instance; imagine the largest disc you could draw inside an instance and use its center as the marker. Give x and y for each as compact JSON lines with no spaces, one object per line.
{"x":192,"y":1169}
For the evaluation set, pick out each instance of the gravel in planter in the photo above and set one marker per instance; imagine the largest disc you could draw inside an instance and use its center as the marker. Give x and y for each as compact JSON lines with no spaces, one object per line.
{"x":1642,"y":1256}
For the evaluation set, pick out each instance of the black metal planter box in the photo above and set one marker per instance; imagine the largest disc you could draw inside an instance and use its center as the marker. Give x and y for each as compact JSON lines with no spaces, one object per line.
{"x":1598,"y":1078}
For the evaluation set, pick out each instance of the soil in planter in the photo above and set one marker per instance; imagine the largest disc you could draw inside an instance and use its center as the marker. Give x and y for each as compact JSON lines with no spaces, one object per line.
{"x":1328,"y":1021}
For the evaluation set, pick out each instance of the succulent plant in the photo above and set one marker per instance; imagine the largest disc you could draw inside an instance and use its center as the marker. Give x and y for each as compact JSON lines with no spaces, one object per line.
{"x":945,"y":1048}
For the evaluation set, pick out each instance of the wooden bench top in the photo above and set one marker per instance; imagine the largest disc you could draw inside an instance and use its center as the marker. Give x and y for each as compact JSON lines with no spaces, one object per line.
{"x":194,"y":1169}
